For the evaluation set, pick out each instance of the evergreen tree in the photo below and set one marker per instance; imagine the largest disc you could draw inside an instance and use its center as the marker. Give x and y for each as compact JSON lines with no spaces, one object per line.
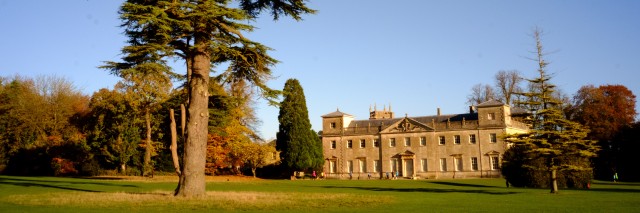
{"x":560,"y":143}
{"x":300,"y":148}
{"x":205,"y":34}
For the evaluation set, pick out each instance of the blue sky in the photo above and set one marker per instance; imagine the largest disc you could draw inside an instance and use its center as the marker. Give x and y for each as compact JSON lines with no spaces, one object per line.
{"x":416,"y":55}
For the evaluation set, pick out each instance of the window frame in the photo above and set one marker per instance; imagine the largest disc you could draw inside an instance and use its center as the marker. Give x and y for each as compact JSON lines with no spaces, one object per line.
{"x":423,"y":141}
{"x":442,"y":140}
{"x":376,"y":142}
{"x":491,"y":116}
{"x":332,"y":125}
{"x":362,"y":165}
{"x":392,"y":142}
{"x":474,"y":163}
{"x":333,"y":166}
{"x":457,"y":164}
{"x":424,"y":165}
{"x":393,"y":163}
{"x":407,"y":141}
{"x":495,"y":163}
{"x":349,"y":144}
{"x":443,"y":164}
{"x":376,"y":165}
{"x":456,"y":139}
{"x":363,"y":143}
{"x":333,"y":144}
{"x":493,"y":138}
{"x":472,"y":139}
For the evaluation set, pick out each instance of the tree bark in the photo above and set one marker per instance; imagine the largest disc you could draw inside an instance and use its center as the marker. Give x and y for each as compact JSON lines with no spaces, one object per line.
{"x":253,"y":171}
{"x":183,"y":119}
{"x":148,"y":148}
{"x":554,"y":181}
{"x":192,"y":182}
{"x":174,"y":143}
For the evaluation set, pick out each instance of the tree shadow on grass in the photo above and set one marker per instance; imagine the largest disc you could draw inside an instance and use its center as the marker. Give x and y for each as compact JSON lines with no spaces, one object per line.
{"x":38,"y":182}
{"x":611,"y":190}
{"x":461,"y":184}
{"x":618,"y":183}
{"x":426,"y":190}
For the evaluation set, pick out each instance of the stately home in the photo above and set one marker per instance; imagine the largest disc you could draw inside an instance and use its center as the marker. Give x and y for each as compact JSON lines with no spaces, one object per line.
{"x":436,"y":146}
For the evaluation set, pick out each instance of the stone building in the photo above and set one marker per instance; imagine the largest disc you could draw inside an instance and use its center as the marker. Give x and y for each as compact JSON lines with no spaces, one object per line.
{"x":437,"y":146}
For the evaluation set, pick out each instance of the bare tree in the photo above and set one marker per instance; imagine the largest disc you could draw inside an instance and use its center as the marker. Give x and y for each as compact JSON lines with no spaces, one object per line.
{"x":508,"y":84}
{"x":481,"y":93}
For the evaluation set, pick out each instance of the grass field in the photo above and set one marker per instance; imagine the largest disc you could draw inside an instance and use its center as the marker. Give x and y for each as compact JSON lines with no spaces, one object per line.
{"x":113,"y":194}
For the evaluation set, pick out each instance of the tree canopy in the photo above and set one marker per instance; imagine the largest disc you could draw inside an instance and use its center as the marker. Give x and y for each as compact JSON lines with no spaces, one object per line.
{"x":609,"y":112}
{"x":559,"y":143}
{"x":299,"y":145}
{"x":205,"y":34}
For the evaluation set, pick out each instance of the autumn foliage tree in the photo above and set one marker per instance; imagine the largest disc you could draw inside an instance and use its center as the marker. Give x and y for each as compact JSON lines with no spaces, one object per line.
{"x":40,"y":120}
{"x":606,"y":110}
{"x":258,"y":155}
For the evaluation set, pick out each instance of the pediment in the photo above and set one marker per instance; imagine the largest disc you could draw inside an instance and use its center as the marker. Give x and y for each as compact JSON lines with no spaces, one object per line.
{"x":331,"y":158}
{"x":407,"y":153}
{"x":492,"y":152}
{"x":406,"y":125}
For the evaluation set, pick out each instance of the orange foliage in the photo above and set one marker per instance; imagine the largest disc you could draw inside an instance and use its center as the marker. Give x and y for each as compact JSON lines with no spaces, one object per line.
{"x":217,"y":153}
{"x":63,"y":167}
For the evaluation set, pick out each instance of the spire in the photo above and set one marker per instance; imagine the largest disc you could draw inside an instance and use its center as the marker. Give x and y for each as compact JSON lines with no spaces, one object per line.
{"x":337,"y":109}
{"x":389,"y":106}
{"x":385,"y":108}
{"x":369,"y":107}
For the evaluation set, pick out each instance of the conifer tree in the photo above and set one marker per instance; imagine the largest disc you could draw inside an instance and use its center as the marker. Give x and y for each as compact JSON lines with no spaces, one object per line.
{"x":560,"y":143}
{"x":205,"y":34}
{"x":300,"y":148}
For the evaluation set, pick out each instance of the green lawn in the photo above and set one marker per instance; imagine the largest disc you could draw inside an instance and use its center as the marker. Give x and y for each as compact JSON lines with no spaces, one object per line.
{"x":49,"y":194}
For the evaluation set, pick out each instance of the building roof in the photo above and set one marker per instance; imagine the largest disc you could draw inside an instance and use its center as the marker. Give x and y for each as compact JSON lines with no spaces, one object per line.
{"x":490,"y":103}
{"x":337,"y":113}
{"x":422,"y":119}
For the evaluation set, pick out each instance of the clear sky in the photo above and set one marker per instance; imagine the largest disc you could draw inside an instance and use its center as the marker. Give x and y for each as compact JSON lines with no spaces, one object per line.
{"x":415,"y":55}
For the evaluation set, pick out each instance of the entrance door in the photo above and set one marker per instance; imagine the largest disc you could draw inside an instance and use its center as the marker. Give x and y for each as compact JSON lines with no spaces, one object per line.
{"x":408,"y":168}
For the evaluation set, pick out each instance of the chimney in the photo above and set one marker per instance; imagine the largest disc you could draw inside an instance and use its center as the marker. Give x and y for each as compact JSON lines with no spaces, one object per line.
{"x":470,"y":109}
{"x":438,"y":111}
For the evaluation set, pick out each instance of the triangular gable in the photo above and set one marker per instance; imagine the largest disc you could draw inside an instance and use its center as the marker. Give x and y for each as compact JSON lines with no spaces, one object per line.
{"x":407,"y":153}
{"x":331,"y":158}
{"x":406,"y":125}
{"x":492,"y":152}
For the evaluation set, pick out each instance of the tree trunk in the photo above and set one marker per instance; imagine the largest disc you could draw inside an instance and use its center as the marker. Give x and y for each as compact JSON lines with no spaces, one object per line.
{"x":183,"y":119}
{"x":174,"y":143}
{"x":253,"y":171}
{"x":193,"y":178}
{"x":148,"y":147}
{"x":554,"y":181}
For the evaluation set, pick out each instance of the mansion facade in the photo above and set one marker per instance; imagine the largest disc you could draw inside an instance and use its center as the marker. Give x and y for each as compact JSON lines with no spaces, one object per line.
{"x":437,"y":146}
